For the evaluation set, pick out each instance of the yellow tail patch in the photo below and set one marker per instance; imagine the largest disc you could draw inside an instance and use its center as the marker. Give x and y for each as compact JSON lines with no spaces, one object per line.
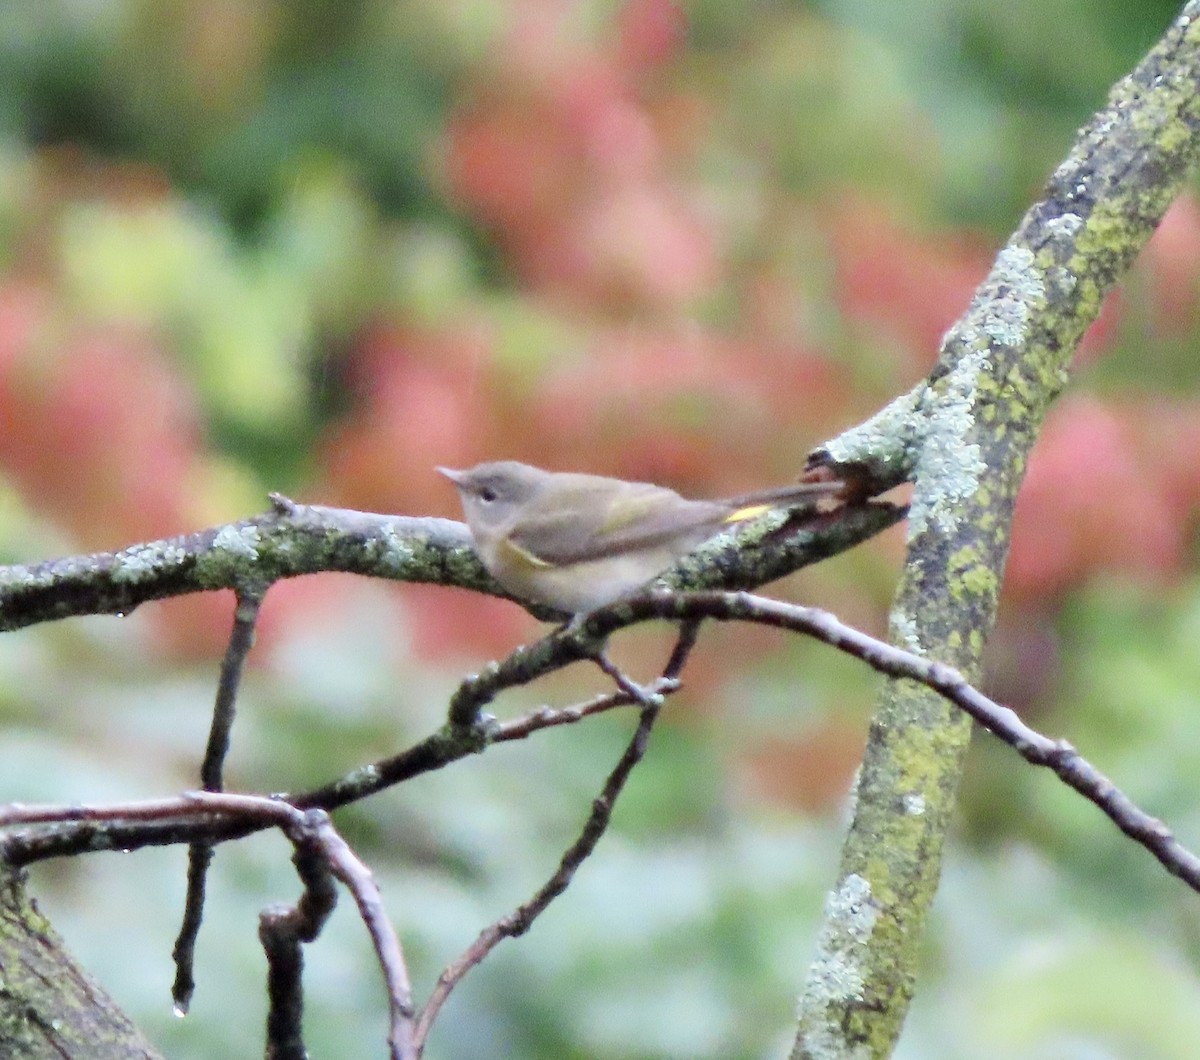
{"x":741,"y":514}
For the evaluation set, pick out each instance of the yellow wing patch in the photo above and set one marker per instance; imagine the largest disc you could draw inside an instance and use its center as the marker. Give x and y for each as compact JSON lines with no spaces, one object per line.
{"x":522,"y":555}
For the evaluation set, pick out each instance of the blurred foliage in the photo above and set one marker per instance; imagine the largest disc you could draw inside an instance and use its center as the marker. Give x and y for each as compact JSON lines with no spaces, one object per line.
{"x":323,"y":246}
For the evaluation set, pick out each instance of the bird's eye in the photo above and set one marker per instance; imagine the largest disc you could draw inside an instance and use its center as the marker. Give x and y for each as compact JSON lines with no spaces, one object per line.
{"x":487,"y":494}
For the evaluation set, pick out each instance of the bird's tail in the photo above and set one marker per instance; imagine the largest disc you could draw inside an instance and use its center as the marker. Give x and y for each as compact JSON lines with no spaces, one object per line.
{"x":797,"y":494}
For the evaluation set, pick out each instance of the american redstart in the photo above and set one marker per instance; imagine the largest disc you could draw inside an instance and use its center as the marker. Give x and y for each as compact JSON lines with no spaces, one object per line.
{"x":577,"y":542}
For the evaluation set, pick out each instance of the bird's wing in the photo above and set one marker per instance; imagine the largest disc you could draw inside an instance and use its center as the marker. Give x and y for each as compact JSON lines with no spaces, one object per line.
{"x":648,"y":517}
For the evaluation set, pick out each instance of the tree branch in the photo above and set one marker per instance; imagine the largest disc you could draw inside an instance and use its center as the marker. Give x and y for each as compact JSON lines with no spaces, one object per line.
{"x":964,"y":436}
{"x":133,"y":827}
{"x":241,"y":639}
{"x":320,"y":856}
{"x":225,"y":816}
{"x":295,"y":539}
{"x":521,"y":919}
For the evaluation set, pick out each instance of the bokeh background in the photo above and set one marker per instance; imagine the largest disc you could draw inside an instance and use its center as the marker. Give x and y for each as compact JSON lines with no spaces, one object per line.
{"x":322,"y":246}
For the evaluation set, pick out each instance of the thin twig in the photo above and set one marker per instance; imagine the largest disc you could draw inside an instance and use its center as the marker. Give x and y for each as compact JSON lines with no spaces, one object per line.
{"x":241,"y":640}
{"x":643,"y":696}
{"x":183,"y":953}
{"x":321,"y":854}
{"x":285,"y":929}
{"x":72,"y":833}
{"x":348,"y":868}
{"x":200,"y":854}
{"x":545,"y":717}
{"x":521,"y":919}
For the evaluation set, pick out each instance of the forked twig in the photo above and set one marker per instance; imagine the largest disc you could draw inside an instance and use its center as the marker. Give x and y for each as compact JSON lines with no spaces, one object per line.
{"x":521,"y":919}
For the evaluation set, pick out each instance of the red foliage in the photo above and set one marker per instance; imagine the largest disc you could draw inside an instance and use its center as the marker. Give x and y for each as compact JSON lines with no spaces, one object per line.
{"x":101,"y":435}
{"x":910,"y":287}
{"x":1099,"y":496}
{"x":555,"y":154}
{"x":424,"y":399}
{"x":685,"y":408}
{"x":649,"y":33}
{"x":674,"y":406}
{"x":100,"y":431}
{"x":1172,"y":259}
{"x":450,"y":624}
{"x":812,"y":774}
{"x":196,"y":628}
{"x":1099,"y":337}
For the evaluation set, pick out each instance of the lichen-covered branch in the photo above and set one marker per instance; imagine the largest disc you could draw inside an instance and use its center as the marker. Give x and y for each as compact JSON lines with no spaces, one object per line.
{"x":295,"y":539}
{"x":964,"y":436}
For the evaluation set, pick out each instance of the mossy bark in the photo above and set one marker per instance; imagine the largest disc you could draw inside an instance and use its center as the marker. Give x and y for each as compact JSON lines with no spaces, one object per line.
{"x":964,"y":437}
{"x":50,"y":1009}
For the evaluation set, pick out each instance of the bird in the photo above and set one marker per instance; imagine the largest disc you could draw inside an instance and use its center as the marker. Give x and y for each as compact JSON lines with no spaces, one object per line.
{"x":575,"y":542}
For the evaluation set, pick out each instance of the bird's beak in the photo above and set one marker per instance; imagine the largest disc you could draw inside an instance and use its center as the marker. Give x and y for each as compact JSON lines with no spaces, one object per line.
{"x":457,"y":477}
